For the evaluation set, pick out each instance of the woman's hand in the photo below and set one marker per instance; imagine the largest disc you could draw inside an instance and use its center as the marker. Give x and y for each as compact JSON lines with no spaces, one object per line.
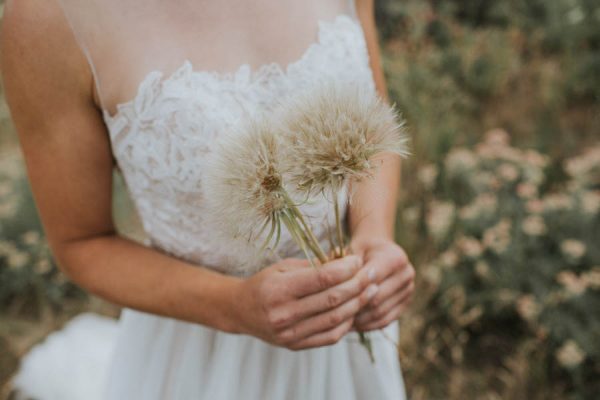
{"x":395,"y":278}
{"x":293,"y":305}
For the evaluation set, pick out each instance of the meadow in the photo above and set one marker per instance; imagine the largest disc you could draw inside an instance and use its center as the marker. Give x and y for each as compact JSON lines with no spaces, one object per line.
{"x":499,"y":210}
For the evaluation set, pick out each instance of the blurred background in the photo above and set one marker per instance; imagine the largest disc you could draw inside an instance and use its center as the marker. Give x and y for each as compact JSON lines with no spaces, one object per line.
{"x":500,"y":208}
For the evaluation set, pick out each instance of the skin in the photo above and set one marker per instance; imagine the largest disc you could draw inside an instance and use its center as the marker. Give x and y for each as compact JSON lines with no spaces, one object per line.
{"x":51,"y":95}
{"x":373,"y":212}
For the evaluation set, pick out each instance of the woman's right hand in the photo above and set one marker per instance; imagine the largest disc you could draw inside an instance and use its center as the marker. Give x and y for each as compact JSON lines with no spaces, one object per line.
{"x":292,"y":305}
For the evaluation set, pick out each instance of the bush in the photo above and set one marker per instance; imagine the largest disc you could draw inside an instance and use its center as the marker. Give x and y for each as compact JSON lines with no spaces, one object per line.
{"x":516,"y":264}
{"x":29,"y":278}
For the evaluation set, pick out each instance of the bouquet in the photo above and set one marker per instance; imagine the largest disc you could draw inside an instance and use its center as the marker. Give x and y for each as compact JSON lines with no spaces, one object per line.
{"x":313,"y":146}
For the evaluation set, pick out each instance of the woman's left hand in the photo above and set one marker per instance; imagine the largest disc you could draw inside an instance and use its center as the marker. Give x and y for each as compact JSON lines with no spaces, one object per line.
{"x":395,"y":276}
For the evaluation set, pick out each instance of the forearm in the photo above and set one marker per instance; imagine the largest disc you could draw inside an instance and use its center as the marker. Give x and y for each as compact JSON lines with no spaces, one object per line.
{"x":134,"y":276}
{"x":372,"y":212}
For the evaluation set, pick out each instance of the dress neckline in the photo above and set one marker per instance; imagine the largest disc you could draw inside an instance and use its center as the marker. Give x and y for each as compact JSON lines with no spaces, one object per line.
{"x":254,"y":74}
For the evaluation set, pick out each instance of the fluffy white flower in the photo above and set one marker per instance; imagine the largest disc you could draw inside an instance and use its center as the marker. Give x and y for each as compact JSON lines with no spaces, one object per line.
{"x":333,"y":136}
{"x":570,"y":355}
{"x":534,"y":225}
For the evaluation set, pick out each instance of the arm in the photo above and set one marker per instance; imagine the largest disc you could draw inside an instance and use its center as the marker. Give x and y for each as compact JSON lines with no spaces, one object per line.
{"x":67,"y":151}
{"x":373,"y":212}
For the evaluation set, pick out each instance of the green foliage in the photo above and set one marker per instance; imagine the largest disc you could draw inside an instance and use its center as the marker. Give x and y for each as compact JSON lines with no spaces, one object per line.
{"x":515,"y":262}
{"x":29,"y":279}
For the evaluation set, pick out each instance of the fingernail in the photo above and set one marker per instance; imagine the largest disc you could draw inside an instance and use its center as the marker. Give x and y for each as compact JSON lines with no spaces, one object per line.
{"x":372,"y":291}
{"x":371,"y":274}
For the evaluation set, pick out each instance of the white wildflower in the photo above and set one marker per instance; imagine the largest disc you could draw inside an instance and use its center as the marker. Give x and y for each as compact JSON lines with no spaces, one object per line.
{"x":573,"y":249}
{"x":570,"y":355}
{"x":534,"y":226}
{"x":498,"y":238}
{"x":427,"y":176}
{"x":335,"y":136}
{"x":527,"y":307}
{"x":440,"y":218}
{"x":460,"y":160}
{"x":470,"y":246}
{"x":573,"y":284}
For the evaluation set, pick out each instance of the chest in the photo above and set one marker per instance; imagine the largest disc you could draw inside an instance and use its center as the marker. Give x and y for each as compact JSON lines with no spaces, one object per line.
{"x":164,"y":134}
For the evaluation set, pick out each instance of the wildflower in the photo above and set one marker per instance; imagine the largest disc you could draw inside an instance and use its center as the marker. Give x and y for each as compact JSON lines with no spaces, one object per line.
{"x":483,"y":180}
{"x":506,"y":296}
{"x":484,"y":204}
{"x":497,"y":238}
{"x":591,"y":278}
{"x":31,"y":238}
{"x":527,"y":307}
{"x":440,"y":218}
{"x":459,"y":160}
{"x":573,"y":284}
{"x":557,"y":202}
{"x":8,"y":207}
{"x":482,"y":270}
{"x":245,"y":189}
{"x":534,"y":225}
{"x":497,"y":137}
{"x":334,"y":135}
{"x":509,"y":173}
{"x":411,"y":215}
{"x":449,"y":259}
{"x":427,"y":176}
{"x":570,"y":355}
{"x":536,"y":159}
{"x":17,"y":259}
{"x":573,"y":249}
{"x":590,"y":202}
{"x":584,"y":168}
{"x":526,"y":190}
{"x":42,"y":266}
{"x":535,"y":206}
{"x":470,"y":246}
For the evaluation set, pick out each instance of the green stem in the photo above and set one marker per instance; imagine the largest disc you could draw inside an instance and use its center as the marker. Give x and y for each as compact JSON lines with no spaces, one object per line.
{"x":297,"y":236}
{"x":312,"y":241}
{"x":366,"y":342}
{"x":338,"y":224}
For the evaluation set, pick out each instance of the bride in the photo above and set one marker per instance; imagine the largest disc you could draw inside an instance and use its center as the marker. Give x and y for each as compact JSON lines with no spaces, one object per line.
{"x":146,"y":86}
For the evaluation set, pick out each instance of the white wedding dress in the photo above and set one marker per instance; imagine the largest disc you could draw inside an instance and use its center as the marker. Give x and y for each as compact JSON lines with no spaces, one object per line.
{"x":172,"y":76}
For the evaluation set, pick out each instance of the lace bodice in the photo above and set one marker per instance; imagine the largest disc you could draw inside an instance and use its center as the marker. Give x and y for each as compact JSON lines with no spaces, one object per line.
{"x":162,"y":138}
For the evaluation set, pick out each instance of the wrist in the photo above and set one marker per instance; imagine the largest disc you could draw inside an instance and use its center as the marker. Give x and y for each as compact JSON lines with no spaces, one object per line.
{"x":362,"y":237}
{"x":233,"y":313}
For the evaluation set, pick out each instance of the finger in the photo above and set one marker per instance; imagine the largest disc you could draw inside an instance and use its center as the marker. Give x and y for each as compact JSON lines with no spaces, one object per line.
{"x":384,"y":268}
{"x":391,"y":316}
{"x":290,"y":264}
{"x":327,"y":320}
{"x":294,"y":311}
{"x":324,"y":338}
{"x":331,"y":298}
{"x":365,"y":317}
{"x":392,"y":285}
{"x":306,"y":281}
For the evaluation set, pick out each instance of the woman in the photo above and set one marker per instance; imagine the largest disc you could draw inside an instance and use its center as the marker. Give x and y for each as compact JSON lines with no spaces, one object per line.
{"x":103,"y":82}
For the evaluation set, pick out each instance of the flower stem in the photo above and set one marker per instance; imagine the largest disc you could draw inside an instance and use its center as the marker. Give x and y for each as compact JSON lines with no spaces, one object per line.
{"x":293,"y":228}
{"x":338,"y":224}
{"x":311,"y":240}
{"x":367,"y":344}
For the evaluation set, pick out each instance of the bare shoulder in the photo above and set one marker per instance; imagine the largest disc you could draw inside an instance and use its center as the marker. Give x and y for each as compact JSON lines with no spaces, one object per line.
{"x":42,"y":65}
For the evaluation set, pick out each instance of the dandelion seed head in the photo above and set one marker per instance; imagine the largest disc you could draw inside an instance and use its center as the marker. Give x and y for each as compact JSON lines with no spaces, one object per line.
{"x":335,"y":135}
{"x":244,"y":180}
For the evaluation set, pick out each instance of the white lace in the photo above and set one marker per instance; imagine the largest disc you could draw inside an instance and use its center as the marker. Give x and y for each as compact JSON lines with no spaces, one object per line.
{"x":162,"y":137}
